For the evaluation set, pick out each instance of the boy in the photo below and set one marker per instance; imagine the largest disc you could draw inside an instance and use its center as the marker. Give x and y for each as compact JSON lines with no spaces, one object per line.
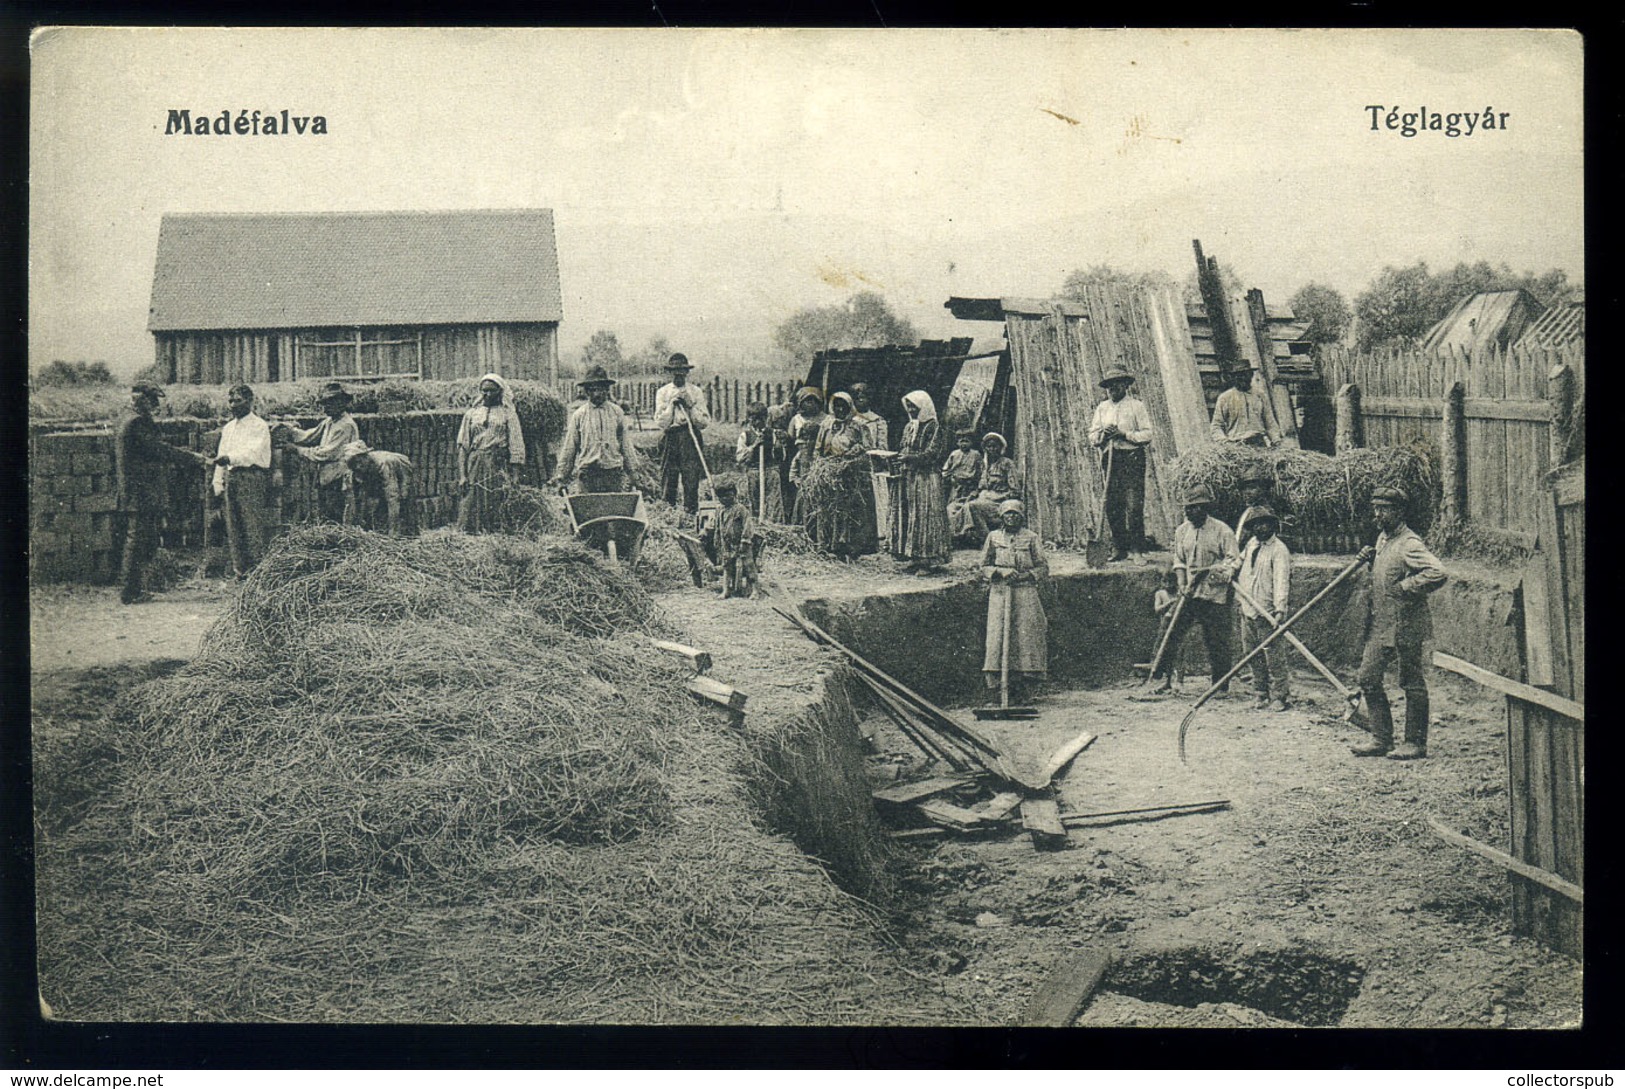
{"x":1266,"y":581}
{"x":736,"y":544}
{"x":963,"y":470}
{"x":1162,"y":605}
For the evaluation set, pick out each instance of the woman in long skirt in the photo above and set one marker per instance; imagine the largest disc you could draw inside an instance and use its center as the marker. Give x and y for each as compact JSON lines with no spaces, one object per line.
{"x":842,"y":519}
{"x":490,"y":447}
{"x":1012,"y":563}
{"x":919,"y":528}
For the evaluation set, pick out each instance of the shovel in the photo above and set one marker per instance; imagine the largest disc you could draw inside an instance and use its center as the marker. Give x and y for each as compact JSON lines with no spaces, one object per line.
{"x":1096,"y":553}
{"x":1004,"y":710}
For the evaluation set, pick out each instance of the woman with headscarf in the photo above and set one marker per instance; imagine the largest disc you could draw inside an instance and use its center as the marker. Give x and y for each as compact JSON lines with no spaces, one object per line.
{"x":919,"y":524}
{"x":803,"y":428}
{"x":1013,"y":563}
{"x":840,"y":507}
{"x":490,"y":445}
{"x":999,"y":482}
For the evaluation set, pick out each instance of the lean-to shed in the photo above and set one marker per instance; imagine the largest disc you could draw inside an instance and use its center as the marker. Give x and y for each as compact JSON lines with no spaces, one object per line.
{"x":1059,"y":349}
{"x":1489,"y":319}
{"x":275,"y":297}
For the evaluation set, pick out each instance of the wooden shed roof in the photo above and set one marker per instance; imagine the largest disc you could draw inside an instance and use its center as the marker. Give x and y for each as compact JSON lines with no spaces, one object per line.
{"x":1484,"y":319}
{"x":1559,"y":326}
{"x":285,"y":271}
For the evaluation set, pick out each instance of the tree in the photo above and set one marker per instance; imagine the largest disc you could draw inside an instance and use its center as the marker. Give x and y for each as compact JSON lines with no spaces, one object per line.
{"x":863,"y":321}
{"x":1080,"y":278}
{"x":604,"y":350}
{"x":651,"y":357}
{"x":1326,"y":311}
{"x":1402,"y":304}
{"x":62,"y":373}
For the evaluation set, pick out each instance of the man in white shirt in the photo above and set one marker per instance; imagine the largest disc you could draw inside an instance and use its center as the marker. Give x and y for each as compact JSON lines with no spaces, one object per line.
{"x":1242,"y":414}
{"x":1266,"y":580}
{"x":1205,"y":561}
{"x":1121,"y":431}
{"x":597,"y":453}
{"x":679,"y":405}
{"x":242,"y":478}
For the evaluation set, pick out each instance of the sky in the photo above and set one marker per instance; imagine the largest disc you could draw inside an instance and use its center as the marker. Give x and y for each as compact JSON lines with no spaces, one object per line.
{"x":707,"y":184}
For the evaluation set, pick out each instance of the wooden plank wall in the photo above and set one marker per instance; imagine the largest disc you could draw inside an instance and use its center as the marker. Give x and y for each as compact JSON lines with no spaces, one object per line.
{"x":1508,"y":418}
{"x":515,"y":351}
{"x":1546,"y":779}
{"x":1059,"y":359}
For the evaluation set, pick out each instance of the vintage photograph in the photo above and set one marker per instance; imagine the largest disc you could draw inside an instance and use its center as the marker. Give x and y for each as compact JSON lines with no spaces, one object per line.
{"x":1068,"y":528}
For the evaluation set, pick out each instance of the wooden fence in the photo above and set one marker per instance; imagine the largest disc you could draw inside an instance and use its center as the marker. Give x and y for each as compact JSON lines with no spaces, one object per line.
{"x":726,"y":398}
{"x":1500,"y":420}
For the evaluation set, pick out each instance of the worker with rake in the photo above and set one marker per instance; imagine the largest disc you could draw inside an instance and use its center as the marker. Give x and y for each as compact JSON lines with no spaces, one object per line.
{"x":1205,"y":559}
{"x":597,"y":454}
{"x":1266,"y":583}
{"x":681,"y":415}
{"x":324,"y":444}
{"x":1013,"y":563}
{"x":490,"y":447}
{"x":1121,"y":431}
{"x":1403,"y":573}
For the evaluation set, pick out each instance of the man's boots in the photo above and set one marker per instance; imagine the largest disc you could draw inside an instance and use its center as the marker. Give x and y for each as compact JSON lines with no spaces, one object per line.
{"x":1416,"y":727}
{"x":1382,"y":726}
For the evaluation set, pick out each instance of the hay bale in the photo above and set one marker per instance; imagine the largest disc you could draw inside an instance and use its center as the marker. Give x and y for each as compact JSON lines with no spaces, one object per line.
{"x":424,"y":798}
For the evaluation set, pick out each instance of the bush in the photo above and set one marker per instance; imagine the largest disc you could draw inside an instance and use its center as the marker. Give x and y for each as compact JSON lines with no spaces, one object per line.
{"x":59,"y":373}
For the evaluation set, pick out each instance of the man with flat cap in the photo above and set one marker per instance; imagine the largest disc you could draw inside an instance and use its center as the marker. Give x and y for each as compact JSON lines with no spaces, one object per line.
{"x":1266,"y":583}
{"x":139,"y":456}
{"x":681,"y":415}
{"x":597,"y":454}
{"x":1403,"y":573}
{"x":1242,"y":414}
{"x":324,"y":445}
{"x":1205,"y":560}
{"x":1121,"y":431}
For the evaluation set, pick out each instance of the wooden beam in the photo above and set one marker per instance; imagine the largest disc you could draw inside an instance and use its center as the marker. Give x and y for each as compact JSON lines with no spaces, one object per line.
{"x":904,"y":793}
{"x":1067,"y":990}
{"x":955,"y":817}
{"x":998,"y":807}
{"x":1063,"y":755}
{"x":1518,"y":866}
{"x":698,"y":660}
{"x":1041,"y":817}
{"x":1074,"y":820}
{"x":714,"y":691}
{"x":1537,"y":631}
{"x":1516,"y":689}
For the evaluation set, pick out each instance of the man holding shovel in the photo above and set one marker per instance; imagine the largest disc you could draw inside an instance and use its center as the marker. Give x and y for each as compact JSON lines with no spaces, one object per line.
{"x":1121,"y":431}
{"x":1403,"y":573}
{"x":1205,"y":559}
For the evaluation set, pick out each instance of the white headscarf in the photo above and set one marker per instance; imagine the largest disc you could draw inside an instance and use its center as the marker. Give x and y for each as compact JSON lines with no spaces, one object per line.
{"x":922,"y":401}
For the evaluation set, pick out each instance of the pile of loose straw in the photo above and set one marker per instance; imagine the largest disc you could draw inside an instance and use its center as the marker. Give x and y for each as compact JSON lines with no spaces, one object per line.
{"x":435,"y":780}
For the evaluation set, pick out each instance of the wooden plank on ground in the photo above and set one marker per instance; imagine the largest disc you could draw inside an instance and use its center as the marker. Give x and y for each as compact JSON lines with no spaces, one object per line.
{"x":1063,"y":756}
{"x":904,"y":793}
{"x":998,"y":807}
{"x":1537,"y":632}
{"x":1041,"y":817}
{"x":1067,"y":990}
{"x":956,"y":817}
{"x":698,"y":660}
{"x":1515,"y":689}
{"x":714,"y":691}
{"x":1501,"y":858}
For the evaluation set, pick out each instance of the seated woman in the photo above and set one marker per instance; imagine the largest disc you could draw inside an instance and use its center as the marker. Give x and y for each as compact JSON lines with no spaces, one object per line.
{"x":1012,"y":563}
{"x":999,"y":482}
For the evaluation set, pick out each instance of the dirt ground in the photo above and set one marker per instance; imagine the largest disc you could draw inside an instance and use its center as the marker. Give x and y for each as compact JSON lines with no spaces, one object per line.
{"x":1319,"y":897}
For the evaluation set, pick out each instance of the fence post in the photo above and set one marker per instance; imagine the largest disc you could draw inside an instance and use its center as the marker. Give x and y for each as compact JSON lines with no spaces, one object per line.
{"x":1560,"y":394}
{"x":1350,"y":427}
{"x":1453,"y":452}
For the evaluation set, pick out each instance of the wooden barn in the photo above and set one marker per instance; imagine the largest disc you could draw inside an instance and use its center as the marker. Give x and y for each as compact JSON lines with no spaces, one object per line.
{"x":373,"y":295}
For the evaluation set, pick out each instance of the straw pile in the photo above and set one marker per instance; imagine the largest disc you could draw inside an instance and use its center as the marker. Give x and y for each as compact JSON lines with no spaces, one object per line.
{"x":433,"y":780}
{"x":835,"y":500}
{"x":1332,"y":494}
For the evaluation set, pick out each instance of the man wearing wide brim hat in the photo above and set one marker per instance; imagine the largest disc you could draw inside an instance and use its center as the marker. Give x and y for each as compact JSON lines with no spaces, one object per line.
{"x":1205,"y":559}
{"x":1403,"y":573}
{"x":140,"y":455}
{"x":597,"y":454}
{"x":681,"y":415}
{"x":1266,"y":584}
{"x":1255,"y":486}
{"x":1121,"y":431}
{"x":1242,"y":414}
{"x":324,"y":445}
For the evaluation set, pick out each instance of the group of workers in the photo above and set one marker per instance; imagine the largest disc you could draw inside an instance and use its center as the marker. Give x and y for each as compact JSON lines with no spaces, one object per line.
{"x":355,"y":484}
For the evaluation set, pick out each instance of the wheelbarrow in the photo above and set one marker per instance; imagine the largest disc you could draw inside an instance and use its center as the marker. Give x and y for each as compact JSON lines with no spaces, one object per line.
{"x":612,"y":522}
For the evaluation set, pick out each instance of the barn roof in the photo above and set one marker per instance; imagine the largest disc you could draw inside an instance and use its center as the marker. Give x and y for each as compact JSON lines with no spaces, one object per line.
{"x":284,"y":271}
{"x":1559,"y":326}
{"x":1484,"y":319}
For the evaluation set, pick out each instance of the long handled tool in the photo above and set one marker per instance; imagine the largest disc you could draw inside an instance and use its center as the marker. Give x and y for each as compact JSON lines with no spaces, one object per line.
{"x":1280,"y":631}
{"x":1004,"y":710}
{"x":699,"y":449}
{"x":1173,"y":623}
{"x":761,"y":479}
{"x":1343,"y":690}
{"x":1095,"y":554}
